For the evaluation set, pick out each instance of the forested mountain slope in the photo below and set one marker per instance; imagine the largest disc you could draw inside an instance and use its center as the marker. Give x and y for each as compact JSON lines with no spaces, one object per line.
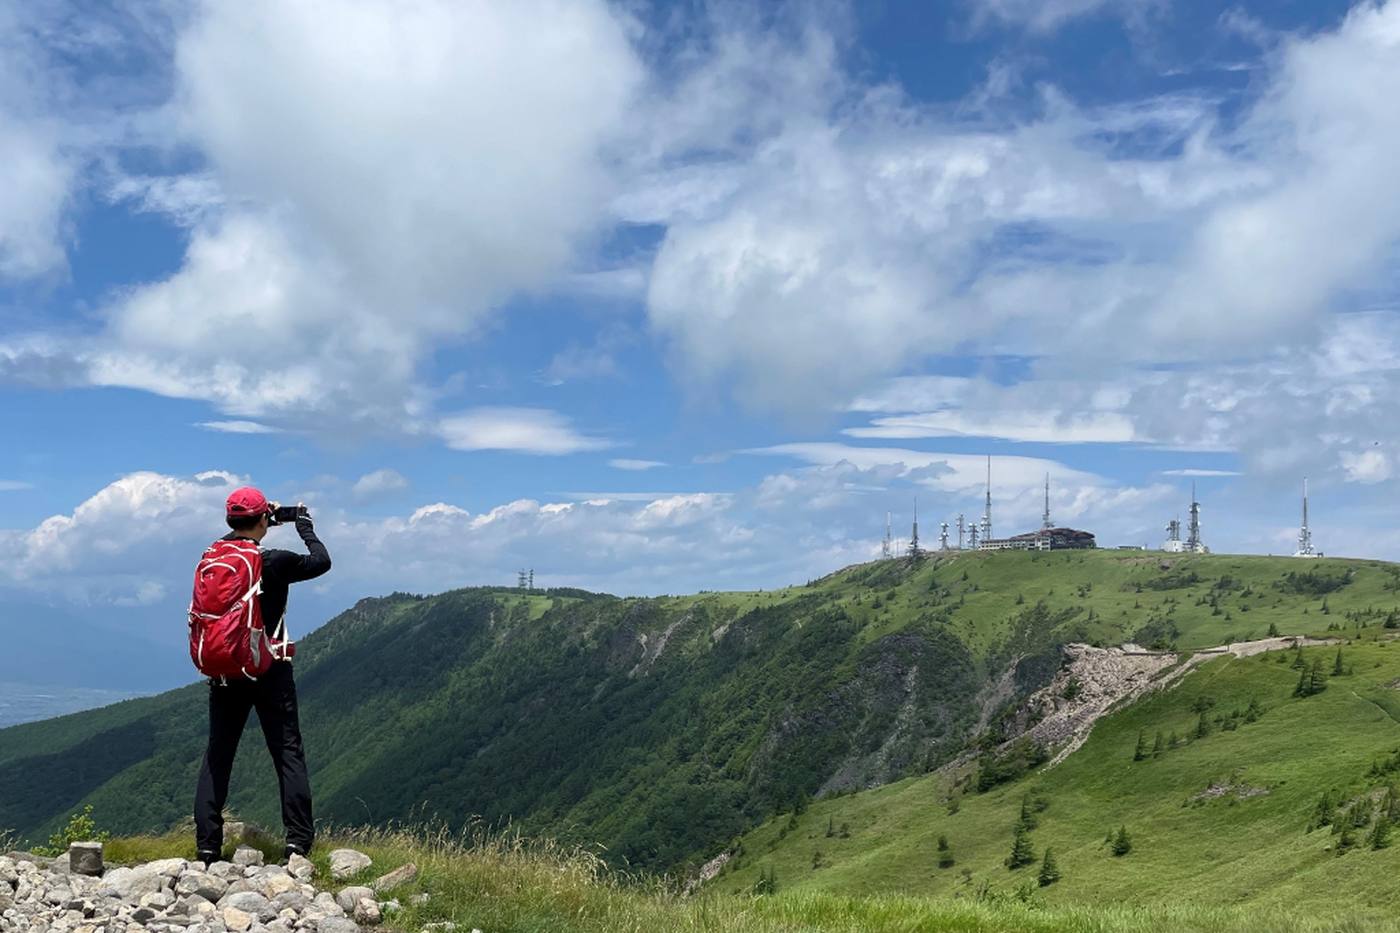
{"x":662,"y":728}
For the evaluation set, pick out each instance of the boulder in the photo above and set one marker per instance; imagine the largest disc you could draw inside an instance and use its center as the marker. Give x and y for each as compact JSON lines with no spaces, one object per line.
{"x":337,"y":925}
{"x":347,"y":862}
{"x":208,"y":886}
{"x":300,"y":867}
{"x":246,"y":856}
{"x":399,"y":876}
{"x":367,"y":912}
{"x":85,"y":858}
{"x":349,"y":897}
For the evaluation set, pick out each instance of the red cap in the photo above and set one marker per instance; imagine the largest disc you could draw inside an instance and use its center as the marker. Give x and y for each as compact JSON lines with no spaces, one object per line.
{"x":246,"y":501}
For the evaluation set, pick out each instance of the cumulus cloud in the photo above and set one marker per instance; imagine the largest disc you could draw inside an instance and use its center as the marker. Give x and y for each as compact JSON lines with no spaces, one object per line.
{"x":377,"y":484}
{"x":866,"y":233}
{"x":476,"y":173}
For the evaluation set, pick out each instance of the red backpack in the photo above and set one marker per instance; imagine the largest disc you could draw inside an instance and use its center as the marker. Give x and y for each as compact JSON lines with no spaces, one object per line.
{"x":226,"y":626}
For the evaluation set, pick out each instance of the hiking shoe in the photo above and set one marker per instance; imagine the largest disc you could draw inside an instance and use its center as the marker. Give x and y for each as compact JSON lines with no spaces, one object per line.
{"x":289,"y":850}
{"x":207,"y":856}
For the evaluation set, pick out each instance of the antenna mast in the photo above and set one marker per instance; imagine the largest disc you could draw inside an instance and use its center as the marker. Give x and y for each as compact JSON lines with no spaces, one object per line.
{"x":961,"y":531}
{"x":1045,"y":522}
{"x":943,"y":537}
{"x":1193,"y":527}
{"x":914,"y":550}
{"x":887,"y":548}
{"x":987,"y":510}
{"x":1305,"y":545}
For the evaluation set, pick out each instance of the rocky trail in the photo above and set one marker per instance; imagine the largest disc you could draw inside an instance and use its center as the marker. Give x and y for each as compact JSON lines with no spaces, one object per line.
{"x":75,"y":894}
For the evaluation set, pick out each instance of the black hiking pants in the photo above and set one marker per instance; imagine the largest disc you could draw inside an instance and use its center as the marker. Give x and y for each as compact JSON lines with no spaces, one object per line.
{"x":274,"y":696}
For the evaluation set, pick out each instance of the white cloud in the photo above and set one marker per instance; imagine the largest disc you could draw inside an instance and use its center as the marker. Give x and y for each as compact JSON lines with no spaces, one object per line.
{"x":1046,"y":15}
{"x":14,"y":485}
{"x":526,"y":430}
{"x":1366,"y":466}
{"x":238,"y":427}
{"x":1193,"y":471}
{"x":952,"y":472}
{"x":864,"y":233}
{"x":39,"y":172}
{"x":476,"y":174}
{"x":377,"y":484}
{"x":625,"y":463}
{"x":1037,"y":426}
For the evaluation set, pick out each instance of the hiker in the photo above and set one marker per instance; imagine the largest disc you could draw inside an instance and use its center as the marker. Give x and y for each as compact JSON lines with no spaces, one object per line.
{"x":239,"y":639}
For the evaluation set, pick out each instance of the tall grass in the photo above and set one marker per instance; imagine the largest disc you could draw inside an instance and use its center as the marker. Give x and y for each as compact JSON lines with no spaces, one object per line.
{"x":503,"y":882}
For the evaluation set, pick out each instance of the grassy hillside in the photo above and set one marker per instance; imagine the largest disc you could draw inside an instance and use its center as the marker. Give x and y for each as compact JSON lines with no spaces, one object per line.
{"x":1225,"y":818}
{"x":508,"y":886}
{"x":662,"y":728}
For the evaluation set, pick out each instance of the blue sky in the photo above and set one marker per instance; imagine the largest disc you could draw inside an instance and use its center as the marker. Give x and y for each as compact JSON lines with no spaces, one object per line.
{"x":658,"y":298}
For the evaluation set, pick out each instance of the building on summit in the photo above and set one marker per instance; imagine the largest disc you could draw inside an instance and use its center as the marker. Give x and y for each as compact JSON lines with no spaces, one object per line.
{"x":1047,"y":538}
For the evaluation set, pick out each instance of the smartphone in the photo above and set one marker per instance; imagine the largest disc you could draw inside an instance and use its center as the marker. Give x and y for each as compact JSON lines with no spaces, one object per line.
{"x":287,"y":513}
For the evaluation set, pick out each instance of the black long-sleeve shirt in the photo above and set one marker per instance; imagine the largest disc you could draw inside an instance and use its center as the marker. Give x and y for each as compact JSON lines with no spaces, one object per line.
{"x":283,"y":568}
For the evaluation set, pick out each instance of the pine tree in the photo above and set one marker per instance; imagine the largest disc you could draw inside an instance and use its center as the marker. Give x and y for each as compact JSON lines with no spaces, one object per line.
{"x":945,"y":853}
{"x":1273,"y":630}
{"x":1298,"y":662}
{"x":1347,"y":840}
{"x":1316,"y":681}
{"x":1380,"y":834}
{"x":1202,"y":726}
{"x":1158,"y":746}
{"x":1325,"y":811}
{"x":1390,"y":808}
{"x":1028,"y":820}
{"x":1301,"y":688}
{"x":1254,"y":711}
{"x":1122,"y":843}
{"x":1022,"y":852}
{"x":1049,"y":871}
{"x":1140,"y":753}
{"x":1337,"y":667}
{"x":830,"y":827}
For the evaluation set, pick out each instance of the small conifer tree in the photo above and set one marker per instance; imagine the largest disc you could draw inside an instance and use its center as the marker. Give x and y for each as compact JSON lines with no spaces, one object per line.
{"x":1158,"y":746}
{"x":1022,"y":852}
{"x":1338,"y":668}
{"x":945,"y":853}
{"x":1300,"y":689}
{"x":1140,"y":752}
{"x":1202,"y":726}
{"x":1028,"y":819}
{"x":830,"y":827}
{"x":1254,"y":711}
{"x":1273,"y":630}
{"x":1122,"y":843}
{"x":1317,"y":682}
{"x":1049,"y":871}
{"x":1379,"y":837}
{"x":1325,"y":811}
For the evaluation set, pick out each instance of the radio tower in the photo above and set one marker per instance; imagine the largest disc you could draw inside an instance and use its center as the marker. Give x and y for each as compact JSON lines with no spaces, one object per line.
{"x":987,"y":510}
{"x":972,"y":537}
{"x":1305,"y":545}
{"x":1045,"y":523}
{"x":943,"y":537}
{"x":887,"y":548}
{"x":1193,"y":526}
{"x":961,"y":531}
{"x":914,"y":549}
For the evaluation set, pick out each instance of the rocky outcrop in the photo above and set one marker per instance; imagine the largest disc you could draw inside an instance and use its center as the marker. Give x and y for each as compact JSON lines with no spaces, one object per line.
{"x":175,"y":896}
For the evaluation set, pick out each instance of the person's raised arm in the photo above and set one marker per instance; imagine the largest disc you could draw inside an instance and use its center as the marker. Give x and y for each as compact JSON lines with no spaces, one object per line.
{"x":316,"y":560}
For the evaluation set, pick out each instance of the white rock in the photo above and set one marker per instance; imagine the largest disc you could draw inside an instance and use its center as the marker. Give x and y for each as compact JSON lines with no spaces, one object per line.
{"x":367,"y":912}
{"x":246,"y":856}
{"x":347,"y":898}
{"x":236,"y":919}
{"x":347,"y":862}
{"x":300,"y":867}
